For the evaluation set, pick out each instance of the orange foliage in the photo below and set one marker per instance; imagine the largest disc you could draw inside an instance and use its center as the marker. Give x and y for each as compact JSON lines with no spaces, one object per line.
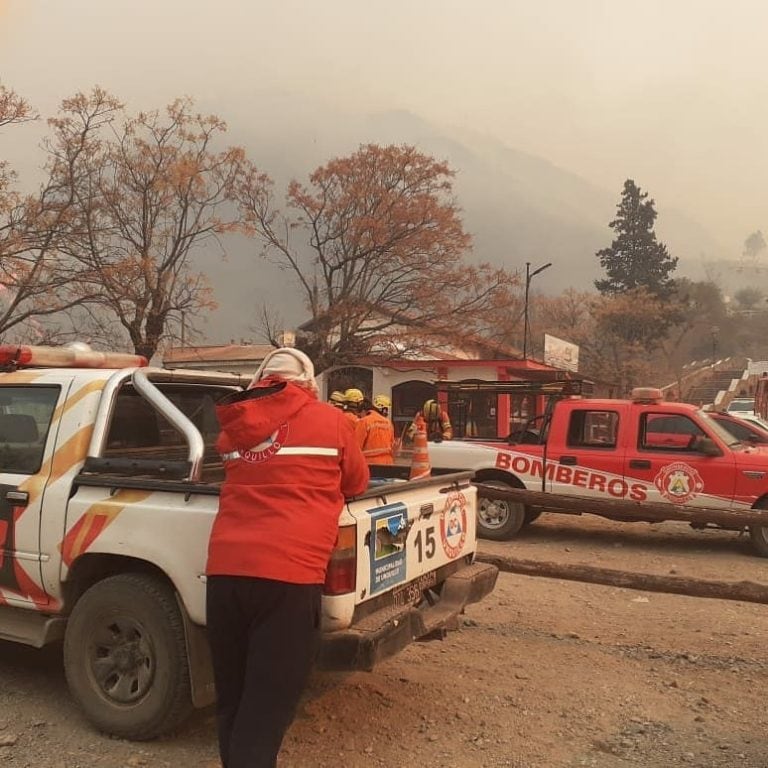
{"x":36,"y":279}
{"x":380,"y":254}
{"x":13,"y":108}
{"x":149,"y":192}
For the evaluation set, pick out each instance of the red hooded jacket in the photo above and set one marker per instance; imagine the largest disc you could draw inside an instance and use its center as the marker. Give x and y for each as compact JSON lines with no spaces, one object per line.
{"x":290,"y":461}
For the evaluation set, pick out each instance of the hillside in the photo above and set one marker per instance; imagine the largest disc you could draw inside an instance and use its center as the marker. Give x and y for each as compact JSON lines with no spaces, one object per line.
{"x":518,"y":207}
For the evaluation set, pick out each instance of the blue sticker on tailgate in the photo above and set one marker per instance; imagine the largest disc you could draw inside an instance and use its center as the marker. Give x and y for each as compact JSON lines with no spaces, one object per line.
{"x":389,"y":529}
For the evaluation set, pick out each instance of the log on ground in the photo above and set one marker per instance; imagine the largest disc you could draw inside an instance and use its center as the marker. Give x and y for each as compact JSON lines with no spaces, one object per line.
{"x":745,"y":591}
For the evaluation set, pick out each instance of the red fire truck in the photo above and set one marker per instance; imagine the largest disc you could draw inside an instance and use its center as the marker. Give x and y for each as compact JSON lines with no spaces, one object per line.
{"x":644,"y":449}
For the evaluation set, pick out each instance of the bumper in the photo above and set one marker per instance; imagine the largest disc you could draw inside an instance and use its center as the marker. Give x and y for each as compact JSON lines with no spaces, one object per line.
{"x":389,"y":630}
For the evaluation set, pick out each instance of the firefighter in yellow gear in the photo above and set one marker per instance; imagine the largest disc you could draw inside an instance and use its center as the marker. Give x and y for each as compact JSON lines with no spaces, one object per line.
{"x":354,"y":400}
{"x":437,"y":421}
{"x":375,"y":433}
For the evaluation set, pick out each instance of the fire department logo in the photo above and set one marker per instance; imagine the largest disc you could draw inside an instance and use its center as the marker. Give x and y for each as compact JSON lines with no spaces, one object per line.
{"x":679,"y":483}
{"x":453,"y":524}
{"x":267,"y":449}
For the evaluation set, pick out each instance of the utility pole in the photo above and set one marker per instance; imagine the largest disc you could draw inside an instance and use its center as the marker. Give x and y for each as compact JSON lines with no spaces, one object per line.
{"x":526,"y":325}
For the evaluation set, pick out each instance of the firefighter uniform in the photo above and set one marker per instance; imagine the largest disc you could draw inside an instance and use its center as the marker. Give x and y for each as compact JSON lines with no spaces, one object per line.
{"x":376,"y":437}
{"x":437,"y":421}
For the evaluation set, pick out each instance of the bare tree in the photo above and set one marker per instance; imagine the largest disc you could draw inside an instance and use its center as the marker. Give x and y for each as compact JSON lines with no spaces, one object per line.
{"x":37,"y":279}
{"x":376,"y":245}
{"x":14,"y":108}
{"x":153,"y":191}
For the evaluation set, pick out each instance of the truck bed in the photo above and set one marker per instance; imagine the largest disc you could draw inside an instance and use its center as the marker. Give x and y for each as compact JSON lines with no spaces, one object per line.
{"x":143,"y":472}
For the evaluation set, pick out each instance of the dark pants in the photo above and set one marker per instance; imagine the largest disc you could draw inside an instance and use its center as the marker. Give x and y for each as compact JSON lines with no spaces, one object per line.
{"x":263,"y":636}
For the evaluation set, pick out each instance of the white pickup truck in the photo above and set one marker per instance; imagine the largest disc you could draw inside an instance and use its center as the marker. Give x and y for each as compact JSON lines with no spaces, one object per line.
{"x":109,"y":483}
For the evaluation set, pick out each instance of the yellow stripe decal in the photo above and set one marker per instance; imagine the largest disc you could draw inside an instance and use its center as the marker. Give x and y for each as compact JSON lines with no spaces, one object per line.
{"x":95,"y":519}
{"x":70,"y":453}
{"x":21,"y":377}
{"x":75,"y":397}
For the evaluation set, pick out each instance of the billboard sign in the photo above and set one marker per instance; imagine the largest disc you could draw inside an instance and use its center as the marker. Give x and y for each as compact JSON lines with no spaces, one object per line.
{"x":561,"y":354}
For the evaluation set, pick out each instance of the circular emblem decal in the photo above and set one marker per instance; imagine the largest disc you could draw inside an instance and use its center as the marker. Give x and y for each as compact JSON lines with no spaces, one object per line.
{"x":268,"y":448}
{"x":679,"y":482}
{"x":453,"y":524}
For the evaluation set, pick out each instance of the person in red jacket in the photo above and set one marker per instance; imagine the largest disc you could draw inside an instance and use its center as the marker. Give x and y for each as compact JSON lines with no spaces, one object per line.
{"x":290,"y":461}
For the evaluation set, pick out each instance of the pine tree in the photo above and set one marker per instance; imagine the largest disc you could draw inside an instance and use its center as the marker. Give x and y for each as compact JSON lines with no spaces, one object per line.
{"x":636,"y":259}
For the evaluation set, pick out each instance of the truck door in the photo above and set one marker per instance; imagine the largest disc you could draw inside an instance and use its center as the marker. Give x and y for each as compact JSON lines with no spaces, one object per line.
{"x":26,"y":415}
{"x":668,"y":463}
{"x":588,"y":460}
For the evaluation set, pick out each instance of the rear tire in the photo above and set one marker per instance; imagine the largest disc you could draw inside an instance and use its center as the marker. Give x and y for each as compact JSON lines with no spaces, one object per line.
{"x":498,"y":519}
{"x":125,"y":657}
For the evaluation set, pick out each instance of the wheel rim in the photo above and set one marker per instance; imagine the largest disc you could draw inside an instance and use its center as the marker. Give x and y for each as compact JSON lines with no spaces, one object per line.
{"x":121,"y":660}
{"x":493,"y":513}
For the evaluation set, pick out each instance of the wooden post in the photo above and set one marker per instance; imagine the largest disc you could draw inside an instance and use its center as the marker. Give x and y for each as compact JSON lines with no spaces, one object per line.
{"x":745,"y":591}
{"x":623,"y":509}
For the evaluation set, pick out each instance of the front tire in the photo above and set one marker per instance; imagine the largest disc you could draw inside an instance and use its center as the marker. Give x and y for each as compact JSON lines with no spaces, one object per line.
{"x":531,"y":516}
{"x":759,"y":537}
{"x":125,"y":657}
{"x":498,"y":519}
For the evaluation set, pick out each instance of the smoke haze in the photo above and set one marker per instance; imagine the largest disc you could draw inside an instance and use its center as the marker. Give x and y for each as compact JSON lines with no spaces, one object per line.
{"x":544,"y":108}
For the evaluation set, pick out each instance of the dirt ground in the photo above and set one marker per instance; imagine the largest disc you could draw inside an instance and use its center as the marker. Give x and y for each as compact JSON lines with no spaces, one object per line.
{"x":543,"y":674}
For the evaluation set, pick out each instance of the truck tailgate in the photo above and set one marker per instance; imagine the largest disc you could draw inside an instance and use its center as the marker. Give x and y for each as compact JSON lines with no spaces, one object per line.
{"x":408,"y":531}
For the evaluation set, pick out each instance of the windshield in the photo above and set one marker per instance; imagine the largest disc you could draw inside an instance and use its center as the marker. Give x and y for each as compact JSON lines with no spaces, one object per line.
{"x":718,"y":430}
{"x":755,"y":421}
{"x":741,"y":404}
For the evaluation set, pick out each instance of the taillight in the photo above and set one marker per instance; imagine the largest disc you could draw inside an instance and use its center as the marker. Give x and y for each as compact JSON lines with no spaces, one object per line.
{"x":342,"y":567}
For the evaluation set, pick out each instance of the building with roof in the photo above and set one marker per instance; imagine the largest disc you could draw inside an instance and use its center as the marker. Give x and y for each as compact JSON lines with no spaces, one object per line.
{"x":230,"y":358}
{"x":408,"y":379}
{"x":409,"y":383}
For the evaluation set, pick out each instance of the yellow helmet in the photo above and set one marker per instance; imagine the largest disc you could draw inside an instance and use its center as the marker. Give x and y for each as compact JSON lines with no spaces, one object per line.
{"x":354,"y":396}
{"x":380,"y":402}
{"x":337,"y":398}
{"x":431,"y":410}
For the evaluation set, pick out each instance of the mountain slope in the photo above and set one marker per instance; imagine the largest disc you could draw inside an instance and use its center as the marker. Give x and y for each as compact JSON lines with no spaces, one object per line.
{"x":518,"y":207}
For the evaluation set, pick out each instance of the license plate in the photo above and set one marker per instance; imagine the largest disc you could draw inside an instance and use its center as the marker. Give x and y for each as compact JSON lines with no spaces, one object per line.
{"x":411,"y":592}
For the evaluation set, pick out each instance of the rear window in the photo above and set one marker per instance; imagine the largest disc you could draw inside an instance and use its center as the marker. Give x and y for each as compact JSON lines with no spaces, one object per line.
{"x":138,"y":430}
{"x":593,"y":429}
{"x":25,"y":419}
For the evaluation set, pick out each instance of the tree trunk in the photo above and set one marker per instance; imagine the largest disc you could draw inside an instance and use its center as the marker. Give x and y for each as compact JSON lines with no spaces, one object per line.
{"x":745,"y":591}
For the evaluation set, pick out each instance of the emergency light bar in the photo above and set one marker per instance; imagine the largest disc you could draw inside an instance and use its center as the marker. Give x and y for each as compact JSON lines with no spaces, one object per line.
{"x":82,"y":356}
{"x":646,"y":395}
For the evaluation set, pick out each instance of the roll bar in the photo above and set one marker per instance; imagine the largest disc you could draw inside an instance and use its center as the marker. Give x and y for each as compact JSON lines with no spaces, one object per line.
{"x":144,"y":380}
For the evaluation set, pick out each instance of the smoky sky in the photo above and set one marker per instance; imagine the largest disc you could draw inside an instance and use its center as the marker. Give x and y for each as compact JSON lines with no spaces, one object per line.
{"x":670,"y":93}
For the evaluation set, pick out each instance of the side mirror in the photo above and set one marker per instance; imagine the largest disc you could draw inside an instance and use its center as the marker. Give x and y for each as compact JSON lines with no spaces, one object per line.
{"x":706,"y":446}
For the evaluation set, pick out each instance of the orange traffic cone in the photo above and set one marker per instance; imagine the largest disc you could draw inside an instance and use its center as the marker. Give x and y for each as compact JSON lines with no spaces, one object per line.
{"x":420,"y":466}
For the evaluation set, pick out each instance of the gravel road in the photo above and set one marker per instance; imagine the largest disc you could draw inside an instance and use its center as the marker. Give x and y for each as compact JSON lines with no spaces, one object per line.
{"x":544,"y":674}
